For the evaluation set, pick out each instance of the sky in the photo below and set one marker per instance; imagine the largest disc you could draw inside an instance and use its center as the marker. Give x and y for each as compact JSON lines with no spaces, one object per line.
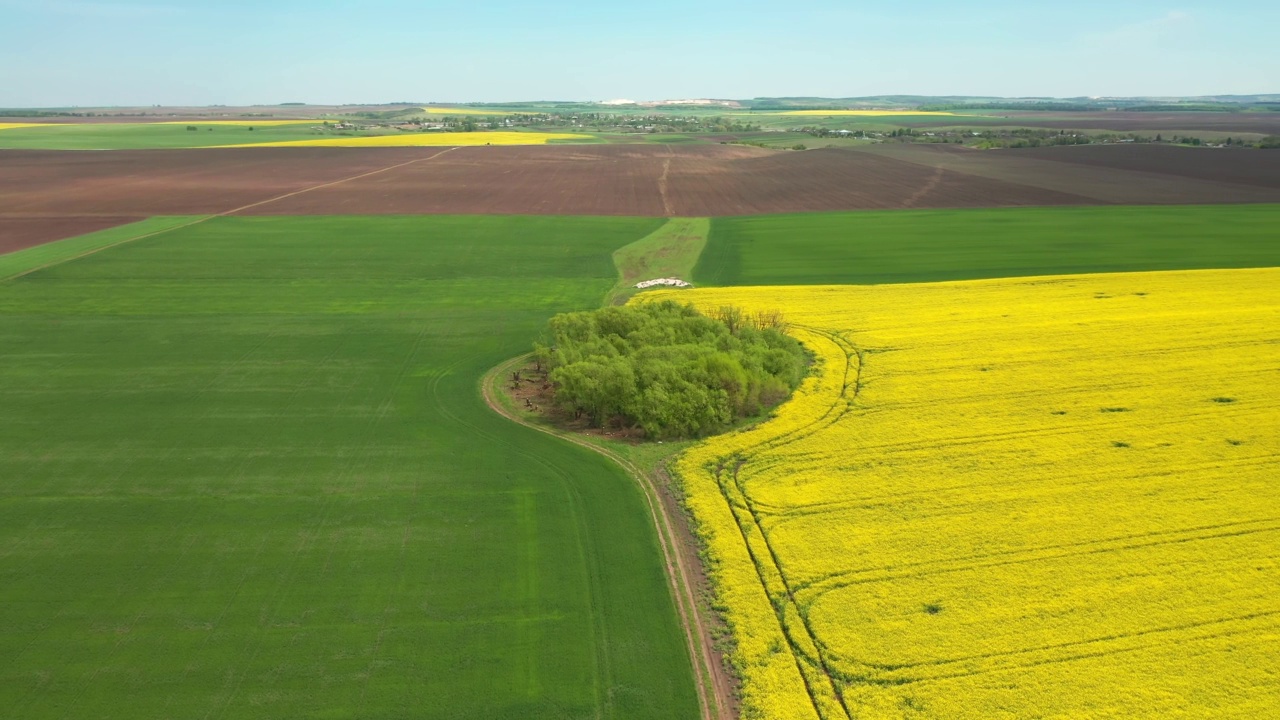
{"x":86,"y":53}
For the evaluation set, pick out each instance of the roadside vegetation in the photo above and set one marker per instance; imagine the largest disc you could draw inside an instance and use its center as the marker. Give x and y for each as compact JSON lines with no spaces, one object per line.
{"x":665,"y":369}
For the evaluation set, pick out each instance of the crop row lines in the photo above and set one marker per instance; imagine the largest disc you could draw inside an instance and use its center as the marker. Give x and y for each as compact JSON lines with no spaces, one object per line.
{"x":784,"y":513}
{"x":1143,"y":640}
{"x":822,"y":681}
{"x":941,"y":568}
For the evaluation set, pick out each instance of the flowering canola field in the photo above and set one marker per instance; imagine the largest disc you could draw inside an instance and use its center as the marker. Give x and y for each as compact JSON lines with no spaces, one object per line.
{"x":424,"y":139}
{"x":464,"y":111}
{"x":1048,"y":497}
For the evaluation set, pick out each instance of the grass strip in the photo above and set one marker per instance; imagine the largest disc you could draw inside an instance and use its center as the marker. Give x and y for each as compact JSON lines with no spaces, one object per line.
{"x":670,"y":251}
{"x":24,"y":261}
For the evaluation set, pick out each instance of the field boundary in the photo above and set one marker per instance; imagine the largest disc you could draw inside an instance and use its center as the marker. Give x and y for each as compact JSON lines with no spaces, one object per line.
{"x":713,"y":696}
{"x":225,"y":213}
{"x":953,"y":245}
{"x":85,"y":245}
{"x":670,"y":251}
{"x":804,"y":645}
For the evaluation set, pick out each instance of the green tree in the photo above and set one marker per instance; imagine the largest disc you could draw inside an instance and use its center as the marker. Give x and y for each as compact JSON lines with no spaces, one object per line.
{"x":666,"y":369}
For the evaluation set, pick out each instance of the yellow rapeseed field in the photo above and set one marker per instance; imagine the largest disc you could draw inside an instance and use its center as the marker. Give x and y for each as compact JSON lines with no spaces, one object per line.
{"x":1051,"y":497}
{"x":11,"y":126}
{"x":464,"y":111}
{"x":425,"y":139}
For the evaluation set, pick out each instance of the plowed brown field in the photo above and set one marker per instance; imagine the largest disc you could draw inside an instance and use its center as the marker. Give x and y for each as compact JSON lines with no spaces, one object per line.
{"x":550,"y":180}
{"x":681,"y":180}
{"x":832,"y":179}
{"x":1229,"y":165}
{"x":1121,"y":174}
{"x":1215,"y":123}
{"x":17,"y":233}
{"x":173,"y":182}
{"x":45,"y":195}
{"x":651,"y":180}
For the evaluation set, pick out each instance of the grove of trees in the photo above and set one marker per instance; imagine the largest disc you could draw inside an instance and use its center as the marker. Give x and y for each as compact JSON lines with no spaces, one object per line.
{"x":668,"y":370}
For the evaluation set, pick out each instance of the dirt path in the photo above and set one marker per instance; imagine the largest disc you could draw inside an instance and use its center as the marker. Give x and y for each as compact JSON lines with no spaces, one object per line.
{"x":925,"y":189}
{"x":662,"y":188}
{"x":232,"y":211}
{"x":679,"y":557}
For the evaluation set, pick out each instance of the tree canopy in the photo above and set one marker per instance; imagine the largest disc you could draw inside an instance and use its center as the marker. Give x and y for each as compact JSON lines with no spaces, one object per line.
{"x":667,"y":369}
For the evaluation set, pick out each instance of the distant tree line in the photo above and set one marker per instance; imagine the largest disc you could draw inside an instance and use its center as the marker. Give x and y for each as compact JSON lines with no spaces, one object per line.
{"x":1188,"y":107}
{"x":40,"y":113}
{"x":668,"y":370}
{"x":784,"y":107}
{"x":1096,"y":106}
{"x":386,"y":115}
{"x":1039,"y":137}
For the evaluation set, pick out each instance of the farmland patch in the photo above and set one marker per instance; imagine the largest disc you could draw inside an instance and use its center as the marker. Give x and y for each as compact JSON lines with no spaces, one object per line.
{"x":1107,"y":174}
{"x":429,"y":139}
{"x":946,"y":245}
{"x":867,"y":113}
{"x":151,"y":135}
{"x":248,"y":459}
{"x":46,"y":254}
{"x":17,"y":233}
{"x":679,"y":180}
{"x":1004,"y":497}
{"x":1247,"y":167}
{"x":173,"y":182}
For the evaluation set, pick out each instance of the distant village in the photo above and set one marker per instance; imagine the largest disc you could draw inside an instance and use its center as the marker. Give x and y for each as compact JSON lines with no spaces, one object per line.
{"x":713,"y":126}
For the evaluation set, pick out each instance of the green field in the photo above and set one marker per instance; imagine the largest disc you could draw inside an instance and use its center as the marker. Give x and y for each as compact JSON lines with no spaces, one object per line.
{"x":248,"y":474}
{"x":931,"y":245}
{"x":143,"y":136}
{"x":132,"y":136}
{"x":34,"y":258}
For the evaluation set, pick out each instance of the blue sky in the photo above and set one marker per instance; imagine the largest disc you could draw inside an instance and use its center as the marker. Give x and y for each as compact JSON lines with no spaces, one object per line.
{"x":172,"y":52}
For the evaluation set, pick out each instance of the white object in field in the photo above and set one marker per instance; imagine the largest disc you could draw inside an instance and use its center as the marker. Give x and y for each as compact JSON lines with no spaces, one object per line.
{"x":670,"y":282}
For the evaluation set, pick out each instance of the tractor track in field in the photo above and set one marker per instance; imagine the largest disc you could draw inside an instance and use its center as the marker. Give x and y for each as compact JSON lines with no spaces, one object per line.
{"x":717,"y":702}
{"x":321,"y":186}
{"x":662,"y":187}
{"x":925,"y":189}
